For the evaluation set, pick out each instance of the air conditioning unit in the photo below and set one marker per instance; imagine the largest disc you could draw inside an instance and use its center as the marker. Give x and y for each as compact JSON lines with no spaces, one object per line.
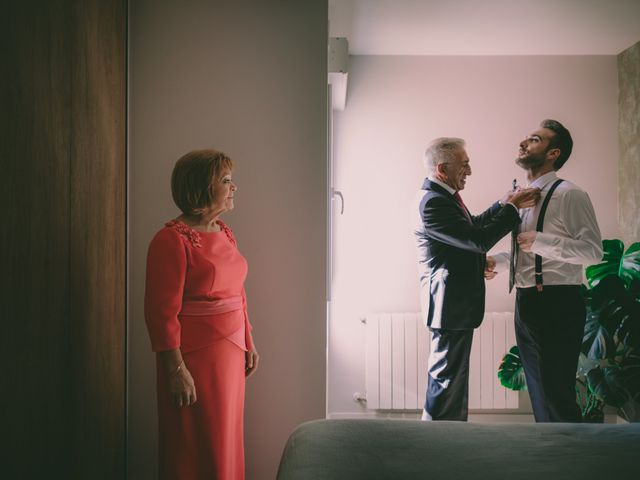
{"x":338,"y":71}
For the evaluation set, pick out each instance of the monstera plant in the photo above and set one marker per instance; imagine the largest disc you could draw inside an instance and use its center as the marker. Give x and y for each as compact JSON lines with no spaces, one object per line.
{"x":609,"y":364}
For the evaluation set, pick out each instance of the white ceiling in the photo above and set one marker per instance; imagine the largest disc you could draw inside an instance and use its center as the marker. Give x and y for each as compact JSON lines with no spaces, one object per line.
{"x":486,"y":27}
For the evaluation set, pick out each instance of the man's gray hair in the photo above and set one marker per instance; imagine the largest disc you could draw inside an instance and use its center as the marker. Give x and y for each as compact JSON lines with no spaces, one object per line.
{"x":441,"y":150}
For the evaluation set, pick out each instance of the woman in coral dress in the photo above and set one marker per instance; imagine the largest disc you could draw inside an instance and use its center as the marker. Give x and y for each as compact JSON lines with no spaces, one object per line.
{"x":196,"y":314}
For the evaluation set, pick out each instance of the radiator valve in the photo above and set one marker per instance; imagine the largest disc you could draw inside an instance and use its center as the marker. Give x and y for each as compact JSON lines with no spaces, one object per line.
{"x":359,"y":397}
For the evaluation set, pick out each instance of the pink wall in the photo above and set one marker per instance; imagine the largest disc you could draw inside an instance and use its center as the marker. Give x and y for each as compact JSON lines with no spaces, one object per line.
{"x":395,"y":106}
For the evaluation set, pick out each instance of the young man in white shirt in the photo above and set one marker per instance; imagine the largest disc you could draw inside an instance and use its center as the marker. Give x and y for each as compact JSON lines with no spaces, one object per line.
{"x":550,"y":312}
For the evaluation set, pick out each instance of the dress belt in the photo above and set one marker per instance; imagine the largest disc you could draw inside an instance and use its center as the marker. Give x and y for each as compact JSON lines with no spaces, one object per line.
{"x":211,"y":307}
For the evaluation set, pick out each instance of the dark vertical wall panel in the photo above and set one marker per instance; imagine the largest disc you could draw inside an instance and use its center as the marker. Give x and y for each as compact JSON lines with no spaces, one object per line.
{"x":97,"y":237}
{"x":629,"y":138}
{"x":35,"y":133}
{"x":62,"y":245}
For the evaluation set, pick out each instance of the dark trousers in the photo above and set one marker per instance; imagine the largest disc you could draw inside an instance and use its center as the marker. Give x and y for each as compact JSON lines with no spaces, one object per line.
{"x":549,"y":328}
{"x":448,"y":377}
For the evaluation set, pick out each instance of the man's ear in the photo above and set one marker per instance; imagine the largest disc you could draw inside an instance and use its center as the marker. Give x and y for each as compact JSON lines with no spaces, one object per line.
{"x":441,"y":169}
{"x":553,"y":153}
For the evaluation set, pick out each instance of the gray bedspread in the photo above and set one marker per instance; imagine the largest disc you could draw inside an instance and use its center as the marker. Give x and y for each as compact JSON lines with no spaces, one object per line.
{"x":407,"y":449}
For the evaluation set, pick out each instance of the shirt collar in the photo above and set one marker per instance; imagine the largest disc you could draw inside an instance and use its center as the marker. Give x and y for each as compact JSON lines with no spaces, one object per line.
{"x":544,"y":180}
{"x":443,"y":185}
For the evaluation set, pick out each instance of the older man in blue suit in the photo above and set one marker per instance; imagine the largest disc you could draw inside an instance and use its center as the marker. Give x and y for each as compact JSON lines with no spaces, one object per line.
{"x":452,"y":246}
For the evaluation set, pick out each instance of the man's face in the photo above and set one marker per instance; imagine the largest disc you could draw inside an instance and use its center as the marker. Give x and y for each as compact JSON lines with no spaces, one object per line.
{"x":533,"y":149}
{"x":456,"y":170}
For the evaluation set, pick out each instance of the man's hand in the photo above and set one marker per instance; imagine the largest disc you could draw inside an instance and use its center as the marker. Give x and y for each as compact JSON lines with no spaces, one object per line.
{"x":489,"y":266}
{"x":522,"y":197}
{"x":525,"y":240}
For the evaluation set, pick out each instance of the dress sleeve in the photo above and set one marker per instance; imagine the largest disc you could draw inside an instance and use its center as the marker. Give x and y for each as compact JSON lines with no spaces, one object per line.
{"x":166,"y":270}
{"x":247,"y":326}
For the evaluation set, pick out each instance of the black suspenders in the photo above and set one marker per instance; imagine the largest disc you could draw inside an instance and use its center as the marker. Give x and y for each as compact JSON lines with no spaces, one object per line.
{"x":539,"y":225}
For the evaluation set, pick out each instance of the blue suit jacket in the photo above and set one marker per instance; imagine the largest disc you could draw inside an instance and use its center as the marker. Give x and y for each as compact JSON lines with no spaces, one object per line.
{"x":452,"y":254}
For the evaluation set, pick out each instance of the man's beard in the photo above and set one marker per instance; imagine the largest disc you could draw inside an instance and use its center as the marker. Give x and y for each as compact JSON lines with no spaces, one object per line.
{"x":531,"y":161}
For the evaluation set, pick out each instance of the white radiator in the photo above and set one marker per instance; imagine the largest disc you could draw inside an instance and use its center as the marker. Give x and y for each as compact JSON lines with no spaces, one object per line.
{"x":397,"y":349}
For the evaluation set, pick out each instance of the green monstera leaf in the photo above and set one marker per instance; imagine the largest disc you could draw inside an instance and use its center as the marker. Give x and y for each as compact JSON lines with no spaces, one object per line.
{"x":602,"y":322}
{"x":625,"y":265}
{"x":618,"y":382}
{"x":597,"y":340}
{"x":631,"y":373}
{"x":585,"y":365}
{"x":511,"y":373}
{"x":613,"y":317}
{"x":608,"y":384}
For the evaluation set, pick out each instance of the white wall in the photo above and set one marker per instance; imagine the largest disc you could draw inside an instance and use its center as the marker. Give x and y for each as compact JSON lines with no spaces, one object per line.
{"x":395,"y":106}
{"x":249,"y":78}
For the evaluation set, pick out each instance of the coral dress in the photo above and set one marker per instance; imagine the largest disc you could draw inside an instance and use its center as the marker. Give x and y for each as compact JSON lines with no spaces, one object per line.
{"x":195,"y":301}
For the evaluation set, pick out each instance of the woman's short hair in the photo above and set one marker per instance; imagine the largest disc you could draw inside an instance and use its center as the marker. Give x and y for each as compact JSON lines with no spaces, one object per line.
{"x":194,"y":176}
{"x":441,"y":150}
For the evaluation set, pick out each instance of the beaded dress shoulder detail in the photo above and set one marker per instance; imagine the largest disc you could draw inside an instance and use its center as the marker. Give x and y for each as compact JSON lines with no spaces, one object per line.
{"x":188,"y":233}
{"x":228,"y":232}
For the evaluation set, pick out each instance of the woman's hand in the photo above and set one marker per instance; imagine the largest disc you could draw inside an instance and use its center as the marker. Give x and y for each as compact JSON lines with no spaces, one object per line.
{"x":183,"y":389}
{"x":251,"y":361}
{"x":181,"y":385}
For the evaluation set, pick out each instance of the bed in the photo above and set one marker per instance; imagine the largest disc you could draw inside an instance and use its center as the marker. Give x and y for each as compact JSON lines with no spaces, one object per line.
{"x":411,"y":449}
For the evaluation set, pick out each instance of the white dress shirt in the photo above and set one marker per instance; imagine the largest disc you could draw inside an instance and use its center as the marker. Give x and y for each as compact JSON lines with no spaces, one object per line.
{"x":452,"y":191}
{"x":570,"y":237}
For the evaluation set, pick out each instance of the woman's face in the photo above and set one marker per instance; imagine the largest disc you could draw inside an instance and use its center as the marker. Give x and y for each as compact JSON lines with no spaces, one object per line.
{"x":223,"y":191}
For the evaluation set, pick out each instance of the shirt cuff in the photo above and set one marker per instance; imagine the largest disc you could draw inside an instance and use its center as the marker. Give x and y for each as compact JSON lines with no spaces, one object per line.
{"x":543,"y":245}
{"x":502,"y":261}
